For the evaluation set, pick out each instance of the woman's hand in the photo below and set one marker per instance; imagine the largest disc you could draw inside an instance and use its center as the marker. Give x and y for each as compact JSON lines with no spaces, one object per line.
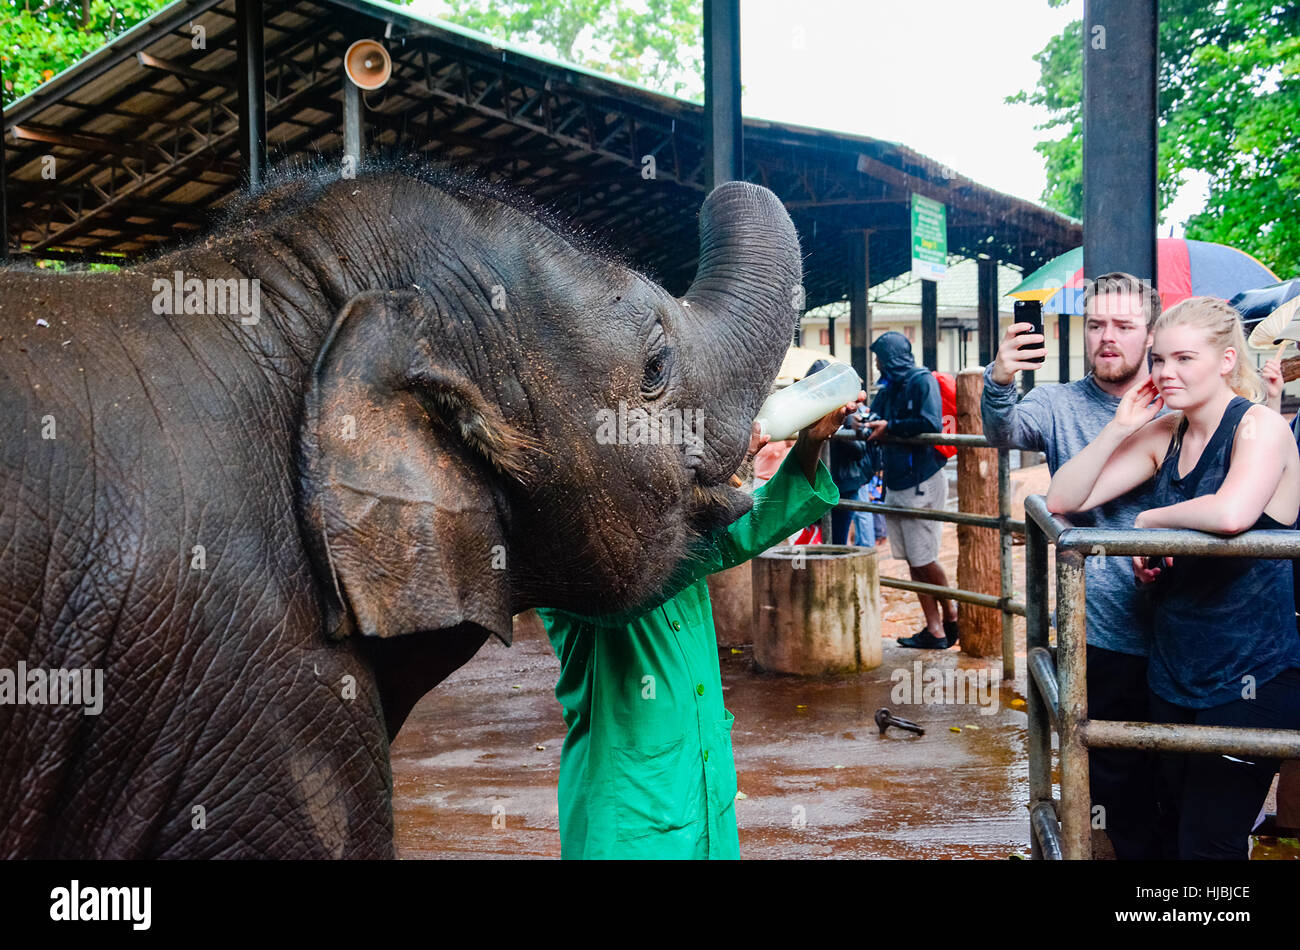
{"x":1271,"y":371}
{"x":1139,"y":406}
{"x":1146,"y":572}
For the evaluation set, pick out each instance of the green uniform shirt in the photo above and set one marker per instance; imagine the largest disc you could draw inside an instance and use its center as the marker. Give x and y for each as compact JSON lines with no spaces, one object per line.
{"x":646,"y":770}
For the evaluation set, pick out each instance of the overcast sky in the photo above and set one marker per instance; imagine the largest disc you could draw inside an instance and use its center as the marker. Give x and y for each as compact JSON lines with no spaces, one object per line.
{"x":930,"y":74}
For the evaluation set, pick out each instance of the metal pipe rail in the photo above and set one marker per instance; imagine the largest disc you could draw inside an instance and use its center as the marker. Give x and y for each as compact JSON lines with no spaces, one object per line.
{"x":960,"y":439}
{"x":1058,"y":690}
{"x":1043,"y":670}
{"x":956,"y":593}
{"x":950,"y":517}
{"x":1046,"y":825}
{"x":1003,"y":523}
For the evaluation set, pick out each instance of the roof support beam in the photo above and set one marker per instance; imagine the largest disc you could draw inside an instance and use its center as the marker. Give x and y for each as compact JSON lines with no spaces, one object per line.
{"x":859,"y":243}
{"x":986,"y":299}
{"x":251,"y":60}
{"x":1120,"y":55}
{"x":351,"y":124}
{"x":847,"y":202}
{"x":205,"y":77}
{"x":723,"y":130}
{"x":209,"y":150}
{"x":930,"y":324}
{"x":109,"y":55}
{"x":82,"y":141}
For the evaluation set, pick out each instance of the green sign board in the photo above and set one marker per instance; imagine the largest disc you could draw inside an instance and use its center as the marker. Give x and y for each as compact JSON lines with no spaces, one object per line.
{"x":929,"y":238}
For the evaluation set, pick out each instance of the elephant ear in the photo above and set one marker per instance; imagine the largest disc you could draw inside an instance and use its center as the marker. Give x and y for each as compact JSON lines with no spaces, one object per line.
{"x":400,"y":459}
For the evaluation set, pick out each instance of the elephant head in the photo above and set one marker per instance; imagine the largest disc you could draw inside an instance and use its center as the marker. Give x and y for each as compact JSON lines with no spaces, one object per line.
{"x":530,"y":424}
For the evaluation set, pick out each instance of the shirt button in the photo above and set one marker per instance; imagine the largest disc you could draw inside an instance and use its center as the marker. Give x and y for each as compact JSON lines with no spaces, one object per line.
{"x":699,"y":688}
{"x":706,"y":755}
{"x":676,"y":625}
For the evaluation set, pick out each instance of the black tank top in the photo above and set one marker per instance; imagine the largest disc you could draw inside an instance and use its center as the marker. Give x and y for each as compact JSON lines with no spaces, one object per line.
{"x":1218,"y":620}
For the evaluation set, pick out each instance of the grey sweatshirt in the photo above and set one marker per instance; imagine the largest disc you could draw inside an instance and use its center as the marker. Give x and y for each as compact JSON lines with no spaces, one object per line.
{"x":1060,"y":420}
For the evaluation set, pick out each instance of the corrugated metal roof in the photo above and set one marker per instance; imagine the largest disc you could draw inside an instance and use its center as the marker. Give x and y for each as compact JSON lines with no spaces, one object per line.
{"x":143,"y":135}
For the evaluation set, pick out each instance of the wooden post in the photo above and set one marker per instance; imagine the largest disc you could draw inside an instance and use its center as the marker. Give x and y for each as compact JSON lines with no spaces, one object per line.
{"x":816,"y":610}
{"x":978,"y":567}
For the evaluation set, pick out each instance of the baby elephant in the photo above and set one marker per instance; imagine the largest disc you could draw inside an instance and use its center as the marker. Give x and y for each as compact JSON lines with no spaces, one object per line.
{"x":261,"y":494}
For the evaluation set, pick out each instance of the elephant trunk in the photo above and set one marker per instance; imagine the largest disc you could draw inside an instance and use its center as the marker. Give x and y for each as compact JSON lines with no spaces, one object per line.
{"x":745,"y":304}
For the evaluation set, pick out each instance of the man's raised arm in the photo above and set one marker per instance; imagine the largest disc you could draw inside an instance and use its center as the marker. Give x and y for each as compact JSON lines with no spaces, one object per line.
{"x":1008,"y":422}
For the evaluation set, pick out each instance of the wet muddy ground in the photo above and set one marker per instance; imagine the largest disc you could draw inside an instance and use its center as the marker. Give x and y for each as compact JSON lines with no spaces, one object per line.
{"x":475,"y":768}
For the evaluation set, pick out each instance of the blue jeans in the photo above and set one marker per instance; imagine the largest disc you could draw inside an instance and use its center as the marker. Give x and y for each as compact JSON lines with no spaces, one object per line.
{"x":878,"y":494}
{"x":864,"y":524}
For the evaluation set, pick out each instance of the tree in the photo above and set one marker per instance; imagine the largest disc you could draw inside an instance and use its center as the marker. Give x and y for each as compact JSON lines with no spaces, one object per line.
{"x":1229,"y":81}
{"x":40,"y":40}
{"x":655,"y":43}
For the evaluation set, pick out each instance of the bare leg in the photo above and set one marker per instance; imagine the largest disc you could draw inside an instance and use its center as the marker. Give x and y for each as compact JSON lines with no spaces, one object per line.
{"x":933,"y":573}
{"x":929,"y":606}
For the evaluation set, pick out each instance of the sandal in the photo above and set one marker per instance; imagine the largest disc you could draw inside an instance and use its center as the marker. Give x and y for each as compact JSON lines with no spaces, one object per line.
{"x":925,"y":640}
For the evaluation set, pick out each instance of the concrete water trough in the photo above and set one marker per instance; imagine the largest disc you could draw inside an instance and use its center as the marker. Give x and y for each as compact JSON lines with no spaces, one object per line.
{"x":816,"y":609}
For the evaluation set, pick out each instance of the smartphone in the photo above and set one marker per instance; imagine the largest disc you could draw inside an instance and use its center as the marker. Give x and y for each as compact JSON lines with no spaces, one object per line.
{"x":1031,"y":311}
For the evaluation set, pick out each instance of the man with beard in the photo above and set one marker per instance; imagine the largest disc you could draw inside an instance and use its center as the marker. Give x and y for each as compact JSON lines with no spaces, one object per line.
{"x":1119,"y":312}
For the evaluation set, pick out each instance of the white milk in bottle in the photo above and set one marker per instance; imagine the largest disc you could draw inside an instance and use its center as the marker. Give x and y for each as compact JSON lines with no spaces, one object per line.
{"x":788,"y":410}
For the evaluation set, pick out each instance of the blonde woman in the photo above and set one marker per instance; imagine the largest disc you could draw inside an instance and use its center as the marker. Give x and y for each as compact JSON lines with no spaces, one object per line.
{"x":1225,"y":650}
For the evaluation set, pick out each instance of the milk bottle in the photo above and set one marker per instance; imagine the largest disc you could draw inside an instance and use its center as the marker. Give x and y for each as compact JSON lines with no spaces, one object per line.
{"x":788,"y":410}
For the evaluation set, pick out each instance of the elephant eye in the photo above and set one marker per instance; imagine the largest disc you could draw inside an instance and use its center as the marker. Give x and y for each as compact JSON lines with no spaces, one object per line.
{"x":654,"y":374}
{"x":654,"y":379}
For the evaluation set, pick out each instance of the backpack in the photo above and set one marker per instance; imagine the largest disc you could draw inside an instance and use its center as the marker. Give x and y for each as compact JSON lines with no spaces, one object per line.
{"x":809,"y":535}
{"x":948,"y":397}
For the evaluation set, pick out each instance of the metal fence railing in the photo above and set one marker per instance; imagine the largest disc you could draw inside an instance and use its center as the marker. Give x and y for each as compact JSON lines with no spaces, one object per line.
{"x":1003,"y":523}
{"x":1058,"y":685}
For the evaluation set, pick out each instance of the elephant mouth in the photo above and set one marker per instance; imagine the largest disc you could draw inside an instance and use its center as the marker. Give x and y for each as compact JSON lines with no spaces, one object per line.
{"x":713,"y":507}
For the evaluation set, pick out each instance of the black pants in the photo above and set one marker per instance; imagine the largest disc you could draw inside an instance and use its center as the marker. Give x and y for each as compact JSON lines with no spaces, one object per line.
{"x":1124,"y":782}
{"x":1214,"y":799}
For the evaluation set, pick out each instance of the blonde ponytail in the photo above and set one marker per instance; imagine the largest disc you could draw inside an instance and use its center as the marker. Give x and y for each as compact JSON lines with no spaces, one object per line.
{"x":1222,"y":326}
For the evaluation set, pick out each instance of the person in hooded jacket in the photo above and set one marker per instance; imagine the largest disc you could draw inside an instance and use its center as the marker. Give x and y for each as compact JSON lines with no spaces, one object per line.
{"x":909,"y":404}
